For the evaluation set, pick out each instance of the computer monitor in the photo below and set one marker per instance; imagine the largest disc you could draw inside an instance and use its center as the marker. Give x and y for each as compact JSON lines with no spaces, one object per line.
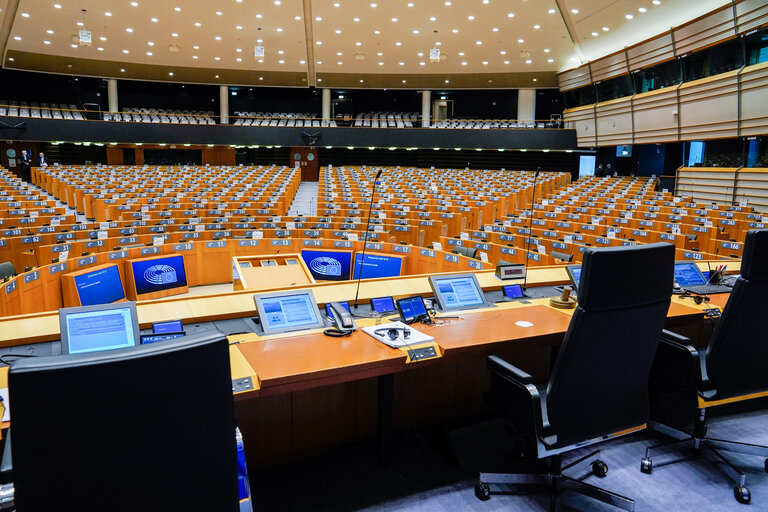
{"x":383,"y":304}
{"x":95,"y":328}
{"x":126,"y":430}
{"x":102,"y":286}
{"x":513,"y":291}
{"x":167,"y":326}
{"x":328,"y":265}
{"x":687,"y":273}
{"x":344,"y":304}
{"x":574,"y":273}
{"x":457,"y":291}
{"x":295,"y":310}
{"x":377,"y":265}
{"x":158,"y":274}
{"x":412,"y":309}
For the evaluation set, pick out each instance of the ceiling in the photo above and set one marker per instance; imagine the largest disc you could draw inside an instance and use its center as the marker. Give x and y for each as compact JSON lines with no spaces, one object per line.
{"x":350,"y":43}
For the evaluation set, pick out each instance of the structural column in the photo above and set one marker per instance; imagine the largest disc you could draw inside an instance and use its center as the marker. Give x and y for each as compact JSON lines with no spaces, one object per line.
{"x":526,"y":104}
{"x":112,"y":95}
{"x":326,"y":104}
{"x":426,"y":108}
{"x":224,"y":104}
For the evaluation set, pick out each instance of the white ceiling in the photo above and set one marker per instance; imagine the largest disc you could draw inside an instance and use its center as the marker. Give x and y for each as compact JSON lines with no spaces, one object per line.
{"x":347,"y":36}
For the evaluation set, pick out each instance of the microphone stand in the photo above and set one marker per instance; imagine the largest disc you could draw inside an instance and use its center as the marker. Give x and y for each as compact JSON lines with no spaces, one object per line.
{"x":530,"y":228}
{"x":365,"y":238}
{"x":34,"y":247}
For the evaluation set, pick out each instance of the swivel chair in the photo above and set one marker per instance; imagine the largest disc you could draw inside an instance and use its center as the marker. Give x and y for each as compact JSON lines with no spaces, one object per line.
{"x":7,"y":270}
{"x":598,"y":388}
{"x":733,"y":368}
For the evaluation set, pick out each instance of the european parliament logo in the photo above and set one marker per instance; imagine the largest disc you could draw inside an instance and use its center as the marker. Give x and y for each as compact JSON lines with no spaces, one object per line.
{"x":326,"y":266}
{"x":160,"y":274}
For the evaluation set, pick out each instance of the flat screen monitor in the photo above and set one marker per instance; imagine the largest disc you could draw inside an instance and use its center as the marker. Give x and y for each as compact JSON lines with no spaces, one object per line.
{"x":623,"y":150}
{"x":377,"y":265}
{"x":687,"y":273}
{"x":134,"y":436}
{"x":288,"y":311}
{"x":587,"y":165}
{"x":102,"y":286}
{"x":574,"y":273}
{"x":167,"y":326}
{"x":383,"y":304}
{"x":96,"y":328}
{"x":412,"y":309}
{"x":158,"y":274}
{"x":513,"y":291}
{"x":328,"y":265}
{"x":344,"y":304}
{"x":458,"y":291}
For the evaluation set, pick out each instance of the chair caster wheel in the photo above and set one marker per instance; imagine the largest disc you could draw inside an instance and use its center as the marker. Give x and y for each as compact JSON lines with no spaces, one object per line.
{"x":646,"y":465}
{"x":741,"y":494}
{"x":483,"y":492}
{"x":599,"y":468}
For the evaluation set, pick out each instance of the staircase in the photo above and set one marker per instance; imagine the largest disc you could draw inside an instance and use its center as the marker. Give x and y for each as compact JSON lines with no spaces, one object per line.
{"x":305,"y":200}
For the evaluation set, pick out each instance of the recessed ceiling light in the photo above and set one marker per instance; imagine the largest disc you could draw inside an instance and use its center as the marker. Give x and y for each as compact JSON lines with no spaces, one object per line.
{"x":506,"y":62}
{"x":279,"y":29}
{"x":656,"y":2}
{"x":122,"y":70}
{"x":239,"y":27}
{"x":422,"y":63}
{"x":18,"y":38}
{"x":302,"y":62}
{"x":464,"y":63}
{"x":281,"y":61}
{"x":574,"y":59}
{"x":280,"y":52}
{"x":277,"y":2}
{"x":129,"y":29}
{"x":373,"y":5}
{"x":100,"y":49}
{"x":337,"y":4}
{"x":642,"y":9}
{"x":595,"y":34}
{"x":546,"y":150}
{"x":339,"y":63}
{"x":521,"y":41}
{"x":216,"y":76}
{"x":319,"y":62}
{"x":318,"y":18}
{"x":107,"y":13}
{"x":338,"y":31}
{"x":470,"y":17}
{"x":461,"y":54}
{"x":194,"y":56}
{"x":420,"y":54}
{"x":432,"y":18}
{"x":79,"y":23}
{"x":415,"y":31}
{"x":46,"y":42}
{"x":57,"y":6}
{"x":485,"y":63}
{"x":381,"y":63}
{"x":149,"y":54}
{"x":503,"y":52}
{"x":606,"y":29}
{"x":550,"y":60}
{"x":410,"y":4}
{"x":177,"y":9}
{"x":355,"y":19}
{"x":134,"y":4}
{"x":196,"y":47}
{"x":174,"y":35}
{"x":398,"y":43}
{"x":536,"y":27}
{"x":126,"y":51}
{"x":574,"y":11}
{"x":628,"y":16}
{"x":219,"y":13}
{"x":394,"y":20}
{"x":403,"y":81}
{"x":478,"y":42}
{"x":547,"y":50}
{"x":377,"y":32}
{"x":379,"y":54}
{"x":486,"y":1}
{"x":448,"y":4}
{"x":447,"y":81}
{"x":297,"y":18}
{"x":154,"y":20}
{"x":319,"y":80}
{"x":259,"y":16}
{"x":361,"y":80}
{"x":217,"y":58}
{"x":551,"y":11}
{"x":401,"y":63}
{"x":528,"y":61}
{"x":319,"y":42}
{"x":25,"y":14}
{"x":339,"y":53}
{"x":150,"y":43}
{"x":510,"y":15}
{"x":455,"y":31}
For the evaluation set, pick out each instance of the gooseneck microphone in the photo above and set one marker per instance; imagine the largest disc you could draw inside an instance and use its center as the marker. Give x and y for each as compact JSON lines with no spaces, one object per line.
{"x":530,"y":228}
{"x":365,"y":237}
{"x":34,"y":247}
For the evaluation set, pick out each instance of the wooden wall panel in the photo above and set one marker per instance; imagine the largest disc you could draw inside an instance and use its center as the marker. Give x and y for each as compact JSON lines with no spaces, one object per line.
{"x":655,"y":116}
{"x":574,"y":78}
{"x":751,"y":14}
{"x":709,"y":107}
{"x":609,"y":67}
{"x":614,"y":122}
{"x":651,"y":52}
{"x":710,"y":29}
{"x":582,"y":120}
{"x":754,"y":100}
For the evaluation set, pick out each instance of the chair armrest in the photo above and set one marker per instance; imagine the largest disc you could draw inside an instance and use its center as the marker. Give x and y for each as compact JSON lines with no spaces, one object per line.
{"x":683,"y":363}
{"x":516,"y":398}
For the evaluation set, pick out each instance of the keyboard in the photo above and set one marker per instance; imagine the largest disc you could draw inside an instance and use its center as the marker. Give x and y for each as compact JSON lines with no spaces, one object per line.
{"x":708,"y":289}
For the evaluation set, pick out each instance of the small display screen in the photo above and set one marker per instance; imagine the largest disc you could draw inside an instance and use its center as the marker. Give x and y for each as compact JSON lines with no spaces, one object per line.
{"x":166,"y":327}
{"x":159,"y":274}
{"x":376,"y":265}
{"x":574,"y":271}
{"x":459,"y":292}
{"x":93,"y":331}
{"x":102,"y":286}
{"x":513,"y":291}
{"x":153,"y":338}
{"x":383,"y":304}
{"x":411,"y":308}
{"x":687,"y":274}
{"x":268,"y":263}
{"x":328,"y":265}
{"x":513,"y":271}
{"x":344,"y":304}
{"x":288,"y":311}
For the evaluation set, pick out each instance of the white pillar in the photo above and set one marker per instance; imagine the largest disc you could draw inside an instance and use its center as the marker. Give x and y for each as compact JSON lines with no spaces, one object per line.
{"x":326,"y":104}
{"x":224,"y":104}
{"x":426,"y":108}
{"x":112,"y":95}
{"x":526,"y":104}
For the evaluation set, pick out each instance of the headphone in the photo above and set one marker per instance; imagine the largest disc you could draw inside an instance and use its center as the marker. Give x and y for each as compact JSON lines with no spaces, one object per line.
{"x":698,"y":299}
{"x":393,"y":333}
{"x":338,"y":333}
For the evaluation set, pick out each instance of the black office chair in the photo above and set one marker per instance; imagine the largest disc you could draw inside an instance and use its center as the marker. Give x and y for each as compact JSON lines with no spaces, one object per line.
{"x":598,"y":388}
{"x":7,"y":270}
{"x":734,"y":367}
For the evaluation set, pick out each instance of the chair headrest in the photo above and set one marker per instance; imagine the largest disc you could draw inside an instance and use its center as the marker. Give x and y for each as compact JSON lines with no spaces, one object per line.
{"x":754,"y":261}
{"x":624,"y":277}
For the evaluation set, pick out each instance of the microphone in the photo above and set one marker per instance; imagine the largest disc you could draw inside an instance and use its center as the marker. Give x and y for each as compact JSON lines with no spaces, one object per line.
{"x":365,"y":238}
{"x":34,"y":247}
{"x":530,"y":228}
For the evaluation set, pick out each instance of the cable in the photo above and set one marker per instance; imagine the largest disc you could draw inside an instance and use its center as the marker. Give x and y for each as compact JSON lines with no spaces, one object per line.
{"x":2,"y":358}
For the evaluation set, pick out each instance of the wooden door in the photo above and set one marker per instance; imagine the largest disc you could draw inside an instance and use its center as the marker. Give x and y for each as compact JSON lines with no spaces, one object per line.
{"x":306,"y":158}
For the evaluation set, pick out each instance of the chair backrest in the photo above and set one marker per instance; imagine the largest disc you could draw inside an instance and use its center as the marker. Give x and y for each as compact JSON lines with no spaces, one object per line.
{"x":599,"y":383}
{"x":737,"y":356}
{"x":7,"y":269}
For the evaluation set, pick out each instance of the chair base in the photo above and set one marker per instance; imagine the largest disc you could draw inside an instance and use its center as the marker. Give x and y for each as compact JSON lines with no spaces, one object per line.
{"x":551,"y":483}
{"x":699,"y":439}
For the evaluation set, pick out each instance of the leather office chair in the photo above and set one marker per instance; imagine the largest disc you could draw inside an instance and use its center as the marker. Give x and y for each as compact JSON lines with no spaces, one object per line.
{"x":598,"y":388}
{"x":734,"y":366}
{"x":7,"y":270}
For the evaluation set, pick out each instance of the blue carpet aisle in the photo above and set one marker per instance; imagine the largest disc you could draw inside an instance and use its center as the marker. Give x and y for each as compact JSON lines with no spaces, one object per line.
{"x":425,"y":476}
